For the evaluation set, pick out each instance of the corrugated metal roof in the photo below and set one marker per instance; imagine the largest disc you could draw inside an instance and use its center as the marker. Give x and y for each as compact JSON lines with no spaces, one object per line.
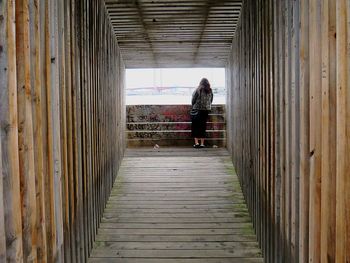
{"x":179,"y":33}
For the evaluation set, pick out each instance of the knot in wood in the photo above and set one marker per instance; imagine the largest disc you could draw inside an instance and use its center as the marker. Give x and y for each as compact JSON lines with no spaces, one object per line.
{"x":6,"y":127}
{"x":10,"y":240}
{"x":312,"y":153}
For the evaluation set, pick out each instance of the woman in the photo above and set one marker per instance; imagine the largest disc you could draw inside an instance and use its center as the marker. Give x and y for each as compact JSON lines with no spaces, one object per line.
{"x":202,"y":99}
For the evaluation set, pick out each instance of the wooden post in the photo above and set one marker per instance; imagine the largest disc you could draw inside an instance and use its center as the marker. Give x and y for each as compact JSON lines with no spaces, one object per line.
{"x":9,"y":133}
{"x":36,"y":87}
{"x":2,"y":217}
{"x":342,"y":133}
{"x":25,"y":128}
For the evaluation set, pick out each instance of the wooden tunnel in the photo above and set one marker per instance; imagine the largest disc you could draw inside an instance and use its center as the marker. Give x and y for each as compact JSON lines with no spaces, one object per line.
{"x":63,"y":115}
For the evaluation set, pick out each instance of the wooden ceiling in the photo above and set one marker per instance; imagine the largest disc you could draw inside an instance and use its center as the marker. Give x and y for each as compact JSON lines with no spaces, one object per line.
{"x":174,"y":33}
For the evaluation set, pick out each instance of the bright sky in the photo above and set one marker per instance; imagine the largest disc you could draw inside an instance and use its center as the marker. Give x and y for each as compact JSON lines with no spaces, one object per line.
{"x":174,"y":77}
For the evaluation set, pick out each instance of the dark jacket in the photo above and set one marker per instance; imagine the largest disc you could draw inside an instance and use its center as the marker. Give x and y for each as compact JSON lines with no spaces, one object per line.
{"x":202,"y":100}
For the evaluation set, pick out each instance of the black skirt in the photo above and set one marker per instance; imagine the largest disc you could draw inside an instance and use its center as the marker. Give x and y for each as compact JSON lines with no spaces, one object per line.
{"x":199,"y":124}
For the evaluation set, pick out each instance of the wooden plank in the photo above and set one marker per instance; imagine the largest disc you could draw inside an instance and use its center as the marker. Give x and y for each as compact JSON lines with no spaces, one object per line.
{"x":84,"y":69}
{"x":54,"y":133}
{"x":304,"y":132}
{"x":237,"y":218}
{"x":172,"y":203}
{"x":169,"y":232}
{"x":36,"y":86}
{"x":233,"y":246}
{"x":315,"y":131}
{"x":238,"y":214}
{"x":175,"y":254}
{"x":51,"y":229}
{"x":9,"y":134}
{"x":163,"y":260}
{"x":175,"y":238}
{"x":2,"y":217}
{"x":76,"y":183}
{"x":70,"y":217}
{"x":61,"y":54}
{"x":342,"y":163}
{"x":328,"y":136}
{"x":347,"y":179}
{"x":173,"y":226}
{"x":166,"y":214}
{"x":295,"y":135}
{"x":231,"y":203}
{"x":25,"y":130}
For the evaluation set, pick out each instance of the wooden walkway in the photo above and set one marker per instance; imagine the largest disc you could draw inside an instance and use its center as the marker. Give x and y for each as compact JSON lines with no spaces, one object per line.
{"x":176,"y":205}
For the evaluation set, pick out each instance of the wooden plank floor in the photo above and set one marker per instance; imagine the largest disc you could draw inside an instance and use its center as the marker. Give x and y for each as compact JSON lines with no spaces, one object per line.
{"x":176,"y":205}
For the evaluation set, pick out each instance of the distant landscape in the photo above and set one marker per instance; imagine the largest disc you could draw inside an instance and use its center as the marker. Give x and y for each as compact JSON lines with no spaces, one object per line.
{"x":168,"y":95}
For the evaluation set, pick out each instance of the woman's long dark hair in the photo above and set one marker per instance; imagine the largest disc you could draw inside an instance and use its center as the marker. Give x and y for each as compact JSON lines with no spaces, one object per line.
{"x":204,"y":85}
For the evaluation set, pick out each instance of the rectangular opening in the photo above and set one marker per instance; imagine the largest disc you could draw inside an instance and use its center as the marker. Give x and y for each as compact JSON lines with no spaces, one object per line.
{"x":171,"y":86}
{"x":158,"y":103}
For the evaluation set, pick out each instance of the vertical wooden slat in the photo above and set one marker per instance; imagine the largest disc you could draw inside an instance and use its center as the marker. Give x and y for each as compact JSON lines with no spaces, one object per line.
{"x":83,"y":125}
{"x":2,"y":216}
{"x":347,"y":160}
{"x":53,"y":98}
{"x":25,"y":130}
{"x":49,"y":184}
{"x":315,"y":131}
{"x":9,"y":134}
{"x":71,"y":217}
{"x":278,"y":129}
{"x":342,"y":134}
{"x":43,"y":117}
{"x":77,"y":130}
{"x":62,"y":57}
{"x":295,"y":131}
{"x":328,"y":136}
{"x":304,"y":69}
{"x":36,"y":86}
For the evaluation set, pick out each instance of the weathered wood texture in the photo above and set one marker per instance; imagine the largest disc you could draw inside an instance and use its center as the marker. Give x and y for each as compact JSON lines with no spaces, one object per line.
{"x":62,"y":116}
{"x":289,"y":126}
{"x":170,"y":125}
{"x":168,"y":33}
{"x":176,"y":205}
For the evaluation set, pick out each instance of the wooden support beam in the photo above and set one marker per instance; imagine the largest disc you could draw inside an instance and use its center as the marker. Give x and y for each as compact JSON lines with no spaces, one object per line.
{"x":2,"y":217}
{"x":35,"y":18}
{"x":152,"y":22}
{"x":9,"y":133}
{"x":342,"y":132}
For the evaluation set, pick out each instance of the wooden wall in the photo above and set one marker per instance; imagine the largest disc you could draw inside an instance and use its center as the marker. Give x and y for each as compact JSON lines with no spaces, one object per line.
{"x":289,"y":126}
{"x":62,"y":120}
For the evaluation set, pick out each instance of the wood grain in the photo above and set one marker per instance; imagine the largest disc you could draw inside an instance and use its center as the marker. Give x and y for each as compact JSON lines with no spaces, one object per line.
{"x":298,"y":132}
{"x":25,"y":130}
{"x":63,"y":122}
{"x":45,"y":103}
{"x":9,"y":134}
{"x":176,"y":226}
